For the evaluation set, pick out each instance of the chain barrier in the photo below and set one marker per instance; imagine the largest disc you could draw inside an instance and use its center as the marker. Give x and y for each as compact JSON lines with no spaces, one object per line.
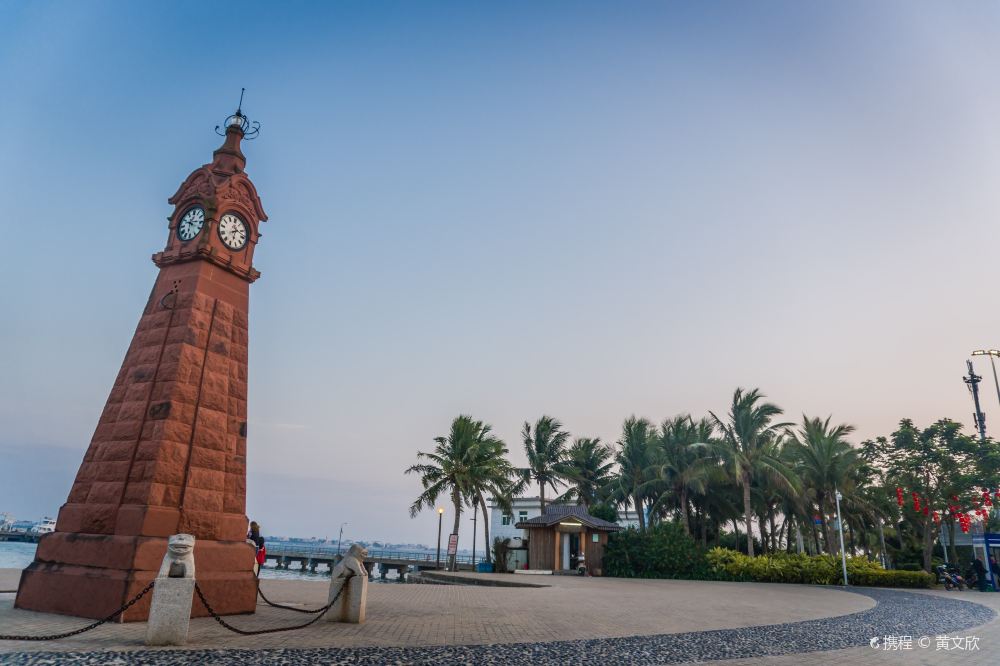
{"x":54,"y":637}
{"x":291,"y":608}
{"x":256,"y":632}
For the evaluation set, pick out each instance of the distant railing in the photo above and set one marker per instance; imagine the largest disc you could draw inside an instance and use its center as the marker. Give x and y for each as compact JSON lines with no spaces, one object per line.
{"x":286,"y":549}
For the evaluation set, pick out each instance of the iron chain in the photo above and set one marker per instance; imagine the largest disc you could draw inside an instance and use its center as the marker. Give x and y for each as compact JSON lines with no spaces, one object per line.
{"x":243,"y":632}
{"x":291,"y":608}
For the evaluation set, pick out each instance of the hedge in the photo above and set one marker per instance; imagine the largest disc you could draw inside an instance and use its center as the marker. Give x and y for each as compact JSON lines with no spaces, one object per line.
{"x":665,"y":551}
{"x":811,"y":569}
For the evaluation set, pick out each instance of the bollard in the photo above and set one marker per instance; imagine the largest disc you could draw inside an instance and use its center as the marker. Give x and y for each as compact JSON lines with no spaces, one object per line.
{"x":349,"y":579}
{"x":170,"y":611}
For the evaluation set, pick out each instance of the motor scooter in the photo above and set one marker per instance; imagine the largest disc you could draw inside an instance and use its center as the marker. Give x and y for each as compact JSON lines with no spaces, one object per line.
{"x":949,"y":577}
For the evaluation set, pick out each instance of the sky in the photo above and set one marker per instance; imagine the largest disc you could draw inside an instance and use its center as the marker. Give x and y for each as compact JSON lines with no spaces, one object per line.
{"x":587,"y":210}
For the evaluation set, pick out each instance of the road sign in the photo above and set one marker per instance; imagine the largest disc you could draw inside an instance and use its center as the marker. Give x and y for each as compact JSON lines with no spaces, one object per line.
{"x":452,"y":544}
{"x":817,"y":520}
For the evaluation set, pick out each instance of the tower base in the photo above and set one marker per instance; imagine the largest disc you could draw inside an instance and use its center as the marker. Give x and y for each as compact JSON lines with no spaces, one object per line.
{"x":93,"y":575}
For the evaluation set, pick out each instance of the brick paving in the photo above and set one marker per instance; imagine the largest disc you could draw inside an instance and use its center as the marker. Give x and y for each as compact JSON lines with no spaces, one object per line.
{"x":423,"y":616}
{"x":408,"y":615}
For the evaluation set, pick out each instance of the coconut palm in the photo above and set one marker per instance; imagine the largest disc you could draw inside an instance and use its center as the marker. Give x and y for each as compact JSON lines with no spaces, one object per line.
{"x":492,"y":475}
{"x":458,"y":467}
{"x":681,"y":465}
{"x":545,"y":446}
{"x":824,"y":460}
{"x":751,"y":447}
{"x":634,"y":458}
{"x":587,"y":469}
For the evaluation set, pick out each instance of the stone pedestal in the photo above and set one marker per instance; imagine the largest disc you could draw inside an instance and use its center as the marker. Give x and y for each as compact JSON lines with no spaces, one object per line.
{"x":350,"y":606}
{"x":170,"y":612}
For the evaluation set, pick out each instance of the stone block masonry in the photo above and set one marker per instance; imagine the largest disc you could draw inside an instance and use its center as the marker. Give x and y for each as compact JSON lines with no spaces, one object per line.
{"x":168,"y":454}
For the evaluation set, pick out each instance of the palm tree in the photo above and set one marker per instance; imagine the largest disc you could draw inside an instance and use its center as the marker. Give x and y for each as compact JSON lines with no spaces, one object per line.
{"x":492,"y":475}
{"x":458,"y":467}
{"x":681,"y":465}
{"x":825,"y":460}
{"x":751,"y":447}
{"x":587,"y":468}
{"x":634,"y":460}
{"x":545,"y":447}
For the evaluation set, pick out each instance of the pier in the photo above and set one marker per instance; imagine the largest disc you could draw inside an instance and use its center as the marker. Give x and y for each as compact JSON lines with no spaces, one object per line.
{"x":308,"y":558}
{"x":25,"y":537}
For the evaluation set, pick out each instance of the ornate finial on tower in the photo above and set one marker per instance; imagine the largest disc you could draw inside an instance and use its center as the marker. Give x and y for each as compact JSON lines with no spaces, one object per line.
{"x":238,"y":120}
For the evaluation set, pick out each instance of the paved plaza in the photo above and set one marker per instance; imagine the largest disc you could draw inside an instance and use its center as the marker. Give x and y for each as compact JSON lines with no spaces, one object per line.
{"x":578,"y":620}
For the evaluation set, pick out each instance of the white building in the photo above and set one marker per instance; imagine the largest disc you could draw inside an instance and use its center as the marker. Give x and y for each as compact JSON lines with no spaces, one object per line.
{"x":502,"y":525}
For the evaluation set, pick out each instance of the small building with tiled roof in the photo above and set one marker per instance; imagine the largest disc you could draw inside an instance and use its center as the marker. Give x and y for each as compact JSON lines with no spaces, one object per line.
{"x":567,"y":538}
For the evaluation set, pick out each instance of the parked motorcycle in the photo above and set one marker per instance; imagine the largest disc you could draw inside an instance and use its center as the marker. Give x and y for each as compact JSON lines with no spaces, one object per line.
{"x":949,"y":577}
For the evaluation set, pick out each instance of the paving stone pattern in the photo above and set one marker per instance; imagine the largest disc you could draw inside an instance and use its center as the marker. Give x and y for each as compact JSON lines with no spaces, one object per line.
{"x":895,"y":613}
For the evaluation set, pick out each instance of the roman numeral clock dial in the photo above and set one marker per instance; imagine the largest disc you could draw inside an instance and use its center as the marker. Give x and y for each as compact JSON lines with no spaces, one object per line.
{"x":233,"y":231}
{"x":191,"y":224}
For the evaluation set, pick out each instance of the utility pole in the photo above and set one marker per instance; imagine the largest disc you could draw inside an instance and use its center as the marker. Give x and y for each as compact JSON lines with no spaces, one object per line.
{"x":992,"y":353}
{"x":973,"y":383}
{"x":881,"y":538}
{"x":840,"y":529}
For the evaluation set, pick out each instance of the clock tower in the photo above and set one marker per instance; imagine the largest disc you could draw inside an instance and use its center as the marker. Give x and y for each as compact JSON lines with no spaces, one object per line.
{"x":168,"y":455}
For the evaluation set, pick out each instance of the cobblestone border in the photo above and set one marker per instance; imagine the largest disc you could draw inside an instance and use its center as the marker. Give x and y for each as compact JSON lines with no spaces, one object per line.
{"x":895,"y":613}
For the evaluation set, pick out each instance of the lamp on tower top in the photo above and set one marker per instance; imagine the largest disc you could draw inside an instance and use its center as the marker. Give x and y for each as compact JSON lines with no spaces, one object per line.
{"x":239,"y":121}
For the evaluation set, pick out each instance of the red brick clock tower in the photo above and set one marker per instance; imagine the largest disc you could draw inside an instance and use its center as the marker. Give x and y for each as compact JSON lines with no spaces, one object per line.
{"x":169,"y":452}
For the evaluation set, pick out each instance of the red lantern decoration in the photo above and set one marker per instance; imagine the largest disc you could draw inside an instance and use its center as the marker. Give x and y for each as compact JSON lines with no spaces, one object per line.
{"x":899,"y":495}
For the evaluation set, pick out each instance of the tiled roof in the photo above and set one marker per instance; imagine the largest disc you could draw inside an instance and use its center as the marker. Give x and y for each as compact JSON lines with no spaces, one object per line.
{"x":556,"y":513}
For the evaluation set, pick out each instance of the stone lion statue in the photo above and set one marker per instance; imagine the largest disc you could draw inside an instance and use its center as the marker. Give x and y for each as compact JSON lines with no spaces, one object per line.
{"x":349,"y":584}
{"x":179,"y":560}
{"x":352,"y":563}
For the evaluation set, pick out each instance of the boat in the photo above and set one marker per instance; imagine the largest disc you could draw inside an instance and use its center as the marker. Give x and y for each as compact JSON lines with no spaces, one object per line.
{"x":44,"y":526}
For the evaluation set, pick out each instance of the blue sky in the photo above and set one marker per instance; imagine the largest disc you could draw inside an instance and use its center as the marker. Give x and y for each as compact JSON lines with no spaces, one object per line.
{"x":582,"y":209}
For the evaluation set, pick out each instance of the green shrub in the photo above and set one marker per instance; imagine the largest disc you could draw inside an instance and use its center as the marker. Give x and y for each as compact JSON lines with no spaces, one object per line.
{"x":663,"y":551}
{"x":809,"y":569}
{"x":894,"y":578}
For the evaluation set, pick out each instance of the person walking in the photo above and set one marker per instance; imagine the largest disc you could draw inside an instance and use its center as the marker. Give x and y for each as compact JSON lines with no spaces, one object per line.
{"x":981,"y":579}
{"x":260,"y":552}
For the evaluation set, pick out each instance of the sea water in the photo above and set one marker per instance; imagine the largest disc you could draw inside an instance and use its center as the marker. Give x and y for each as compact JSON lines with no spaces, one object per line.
{"x":14,"y":555}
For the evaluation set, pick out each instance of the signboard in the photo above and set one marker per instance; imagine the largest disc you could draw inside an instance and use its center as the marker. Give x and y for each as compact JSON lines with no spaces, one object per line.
{"x":817,"y":520}
{"x":452,"y":544}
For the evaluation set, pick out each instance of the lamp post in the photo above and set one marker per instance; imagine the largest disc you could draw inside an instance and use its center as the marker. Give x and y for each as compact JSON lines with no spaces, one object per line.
{"x":340,"y":538}
{"x":992,"y":353}
{"x":840,"y":529}
{"x":475,"y":510}
{"x":440,"y":516}
{"x":972,"y":381}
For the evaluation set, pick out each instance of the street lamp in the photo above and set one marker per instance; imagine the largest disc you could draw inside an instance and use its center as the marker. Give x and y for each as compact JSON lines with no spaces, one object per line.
{"x":340,"y":538}
{"x":474,"y":513}
{"x":840,"y":528}
{"x":440,"y":516}
{"x":992,"y":353}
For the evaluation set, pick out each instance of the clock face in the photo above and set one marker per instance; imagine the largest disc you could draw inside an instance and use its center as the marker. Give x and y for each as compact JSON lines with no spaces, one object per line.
{"x":191,"y":224}
{"x":233,"y":231}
